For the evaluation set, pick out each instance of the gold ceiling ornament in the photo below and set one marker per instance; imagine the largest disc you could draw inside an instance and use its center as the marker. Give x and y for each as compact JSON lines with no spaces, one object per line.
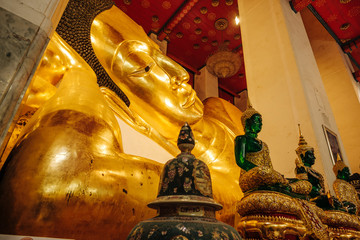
{"x":223,"y":63}
{"x":229,"y":2}
{"x":214,"y":43}
{"x":345,"y":40}
{"x":215,"y":3}
{"x":345,"y":1}
{"x":237,"y":36}
{"x":197,"y":20}
{"x":127,"y":2}
{"x":167,"y":31}
{"x":204,"y":39}
{"x":198,"y":31}
{"x":179,"y":35}
{"x":203,"y":10}
{"x":155,"y":18}
{"x":196,"y":46}
{"x":345,"y":26}
{"x":221,"y":24}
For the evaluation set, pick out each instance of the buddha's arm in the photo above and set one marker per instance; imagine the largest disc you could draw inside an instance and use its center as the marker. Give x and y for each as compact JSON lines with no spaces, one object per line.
{"x":240,"y":153}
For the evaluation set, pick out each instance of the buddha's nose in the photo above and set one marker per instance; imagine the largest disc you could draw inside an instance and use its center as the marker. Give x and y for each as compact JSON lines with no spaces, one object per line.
{"x":179,"y":79}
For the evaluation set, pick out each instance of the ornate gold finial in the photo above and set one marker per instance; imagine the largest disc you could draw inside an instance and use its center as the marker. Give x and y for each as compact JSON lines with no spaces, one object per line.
{"x":248,"y":113}
{"x":303,"y":146}
{"x":339,"y":165}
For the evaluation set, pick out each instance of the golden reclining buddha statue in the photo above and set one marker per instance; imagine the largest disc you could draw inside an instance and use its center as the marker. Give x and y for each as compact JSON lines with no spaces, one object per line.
{"x":68,"y":175}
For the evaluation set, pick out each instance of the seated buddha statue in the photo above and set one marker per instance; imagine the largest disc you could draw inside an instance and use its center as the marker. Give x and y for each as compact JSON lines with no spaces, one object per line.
{"x":304,"y":171}
{"x":146,"y":89}
{"x":252,"y":156}
{"x":345,"y":192}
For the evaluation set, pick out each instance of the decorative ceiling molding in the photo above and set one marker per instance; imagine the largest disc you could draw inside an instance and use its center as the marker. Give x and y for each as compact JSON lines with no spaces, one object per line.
{"x":176,"y":18}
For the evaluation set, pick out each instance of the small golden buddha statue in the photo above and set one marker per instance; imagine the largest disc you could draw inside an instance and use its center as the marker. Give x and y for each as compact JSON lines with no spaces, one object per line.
{"x":345,"y":192}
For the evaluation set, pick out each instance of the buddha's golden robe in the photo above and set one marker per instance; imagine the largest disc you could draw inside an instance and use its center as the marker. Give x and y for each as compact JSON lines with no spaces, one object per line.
{"x":263,"y":174}
{"x":346,"y":192}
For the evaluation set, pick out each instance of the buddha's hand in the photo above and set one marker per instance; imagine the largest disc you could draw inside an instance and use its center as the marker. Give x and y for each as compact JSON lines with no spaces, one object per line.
{"x":349,"y":206}
{"x":336,"y":203}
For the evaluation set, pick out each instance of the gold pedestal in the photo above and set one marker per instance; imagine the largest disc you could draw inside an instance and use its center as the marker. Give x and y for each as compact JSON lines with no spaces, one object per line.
{"x":273,"y":215}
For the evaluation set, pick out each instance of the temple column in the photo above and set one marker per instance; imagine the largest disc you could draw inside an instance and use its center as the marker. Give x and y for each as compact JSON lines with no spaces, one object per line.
{"x":26,"y":26}
{"x":284,"y":84}
{"x":206,"y":84}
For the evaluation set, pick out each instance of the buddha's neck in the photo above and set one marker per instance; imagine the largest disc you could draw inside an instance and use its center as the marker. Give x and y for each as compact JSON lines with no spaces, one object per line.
{"x":251,"y":134}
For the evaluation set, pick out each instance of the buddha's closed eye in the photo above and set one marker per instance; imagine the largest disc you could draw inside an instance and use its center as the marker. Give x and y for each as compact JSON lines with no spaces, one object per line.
{"x":142,"y":71}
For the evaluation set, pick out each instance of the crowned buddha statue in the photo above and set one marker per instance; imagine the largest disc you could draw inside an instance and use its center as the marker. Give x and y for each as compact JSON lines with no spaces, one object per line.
{"x":144,"y":88}
{"x":345,"y":192}
{"x":304,"y":162}
{"x":253,"y":157}
{"x":273,"y":207}
{"x":341,"y":219}
{"x":304,"y":171}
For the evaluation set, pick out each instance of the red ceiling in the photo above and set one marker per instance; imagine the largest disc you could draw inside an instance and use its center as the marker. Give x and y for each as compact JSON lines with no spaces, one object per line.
{"x":342,"y":20}
{"x":337,"y":14}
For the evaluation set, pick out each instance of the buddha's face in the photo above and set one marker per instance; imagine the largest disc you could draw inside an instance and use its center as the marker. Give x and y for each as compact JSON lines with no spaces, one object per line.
{"x":156,"y":85}
{"x":254,"y":124}
{"x":308,"y":158}
{"x":344,"y":173}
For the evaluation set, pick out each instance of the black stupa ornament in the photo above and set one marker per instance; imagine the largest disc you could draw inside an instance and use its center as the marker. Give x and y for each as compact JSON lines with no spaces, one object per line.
{"x":186,"y":209}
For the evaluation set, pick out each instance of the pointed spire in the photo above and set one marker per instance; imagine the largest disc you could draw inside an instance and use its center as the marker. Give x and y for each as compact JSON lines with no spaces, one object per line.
{"x":303,"y":146}
{"x":186,"y":140}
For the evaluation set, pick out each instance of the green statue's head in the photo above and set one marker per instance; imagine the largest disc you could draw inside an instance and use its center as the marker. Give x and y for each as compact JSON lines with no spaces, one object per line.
{"x":253,"y":124}
{"x":344,"y":174}
{"x":308,"y":158}
{"x":251,"y":119}
{"x":341,"y":170}
{"x":305,"y":152}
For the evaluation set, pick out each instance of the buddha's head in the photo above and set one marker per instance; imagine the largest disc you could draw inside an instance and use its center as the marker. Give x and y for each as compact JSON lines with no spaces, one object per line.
{"x":305,"y":152}
{"x":253,"y":124}
{"x":341,"y":170}
{"x":251,"y":119}
{"x":155,"y":84}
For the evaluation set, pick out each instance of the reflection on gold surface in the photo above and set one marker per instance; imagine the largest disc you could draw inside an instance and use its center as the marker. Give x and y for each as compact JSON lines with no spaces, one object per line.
{"x":69,"y":176}
{"x":161,"y":101}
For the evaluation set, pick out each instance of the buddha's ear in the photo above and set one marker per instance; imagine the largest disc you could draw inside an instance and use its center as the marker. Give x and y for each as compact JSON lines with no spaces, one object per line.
{"x":124,"y":112}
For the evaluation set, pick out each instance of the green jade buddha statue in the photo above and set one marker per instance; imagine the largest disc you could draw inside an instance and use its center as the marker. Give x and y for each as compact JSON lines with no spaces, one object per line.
{"x":252,"y":156}
{"x":345,"y":192}
{"x":304,"y":171}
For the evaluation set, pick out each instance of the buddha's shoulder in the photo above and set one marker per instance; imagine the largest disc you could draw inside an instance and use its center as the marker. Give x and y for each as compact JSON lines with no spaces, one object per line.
{"x":224,"y":112}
